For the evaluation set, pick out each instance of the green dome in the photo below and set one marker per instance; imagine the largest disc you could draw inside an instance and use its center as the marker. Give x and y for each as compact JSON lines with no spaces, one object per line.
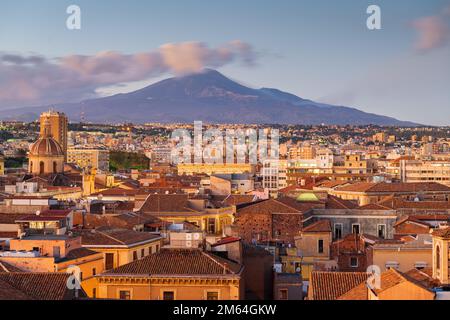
{"x":307,"y":197}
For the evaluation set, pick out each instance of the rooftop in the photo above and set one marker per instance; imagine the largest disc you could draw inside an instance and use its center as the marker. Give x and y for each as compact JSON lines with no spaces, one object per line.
{"x":188,"y":262}
{"x":107,"y":236}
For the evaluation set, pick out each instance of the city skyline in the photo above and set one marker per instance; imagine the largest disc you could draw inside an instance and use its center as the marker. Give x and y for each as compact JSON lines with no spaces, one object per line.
{"x":321,"y":51}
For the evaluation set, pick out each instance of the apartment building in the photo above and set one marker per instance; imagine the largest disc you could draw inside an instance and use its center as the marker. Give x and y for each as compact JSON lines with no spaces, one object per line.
{"x":85,"y":156}
{"x":420,"y":171}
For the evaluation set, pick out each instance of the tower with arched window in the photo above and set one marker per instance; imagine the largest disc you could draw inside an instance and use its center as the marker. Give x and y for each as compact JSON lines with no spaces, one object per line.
{"x":441,"y":240}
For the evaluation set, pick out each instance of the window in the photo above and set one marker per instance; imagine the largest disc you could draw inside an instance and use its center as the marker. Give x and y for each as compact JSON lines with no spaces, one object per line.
{"x":438,"y":257}
{"x":109,"y":261}
{"x":135,"y":257}
{"x":94,"y":293}
{"x":354,"y":262}
{"x":211,"y":225}
{"x":320,"y":246}
{"x":212,"y":295}
{"x":124,"y":295}
{"x":94,"y":271}
{"x":420,"y":265}
{"x":56,"y":252}
{"x":355,"y":228}
{"x":392,"y":265}
{"x":381,"y":231}
{"x":283,"y":294}
{"x":338,"y":230}
{"x":168,"y":295}
{"x":142,"y":253}
{"x":81,"y":276}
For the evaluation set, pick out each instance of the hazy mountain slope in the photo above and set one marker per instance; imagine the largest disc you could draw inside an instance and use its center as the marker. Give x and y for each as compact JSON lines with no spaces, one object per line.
{"x":211,"y":97}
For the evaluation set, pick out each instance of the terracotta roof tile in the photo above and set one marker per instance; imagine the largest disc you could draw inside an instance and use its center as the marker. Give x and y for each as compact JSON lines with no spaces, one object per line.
{"x":267,"y":206}
{"x":235,"y":199}
{"x":319,"y":226}
{"x":333,"y":202}
{"x":39,"y":286}
{"x":442,"y":232}
{"x":114,"y":236}
{"x":392,"y":277}
{"x":301,"y":206}
{"x":160,"y":203}
{"x":369,"y":187}
{"x":8,"y":235}
{"x":6,"y":267}
{"x":360,"y":292}
{"x":8,"y":292}
{"x":79,"y":253}
{"x":225,"y":240}
{"x":179,"y":262}
{"x":331,"y":285}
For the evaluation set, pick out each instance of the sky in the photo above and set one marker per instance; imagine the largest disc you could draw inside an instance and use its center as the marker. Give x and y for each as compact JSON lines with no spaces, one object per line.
{"x":317,"y":49}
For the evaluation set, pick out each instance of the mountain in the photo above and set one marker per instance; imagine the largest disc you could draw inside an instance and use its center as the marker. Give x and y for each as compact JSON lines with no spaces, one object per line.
{"x":211,"y":97}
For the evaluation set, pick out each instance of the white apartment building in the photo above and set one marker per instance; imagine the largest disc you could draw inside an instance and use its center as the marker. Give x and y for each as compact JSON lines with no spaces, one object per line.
{"x":274,"y":174}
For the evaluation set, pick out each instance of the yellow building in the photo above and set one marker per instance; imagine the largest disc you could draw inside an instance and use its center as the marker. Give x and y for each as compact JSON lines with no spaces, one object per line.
{"x":51,"y":253}
{"x":416,"y":254}
{"x":379,"y":137}
{"x":390,"y":285}
{"x":89,"y":157}
{"x":120,"y":246}
{"x":178,"y":208}
{"x":210,"y":169}
{"x":59,"y":127}
{"x":174,"y":274}
{"x":312,"y":250}
{"x":2,"y":165}
{"x":441,"y":240}
{"x":356,"y":164}
{"x":305,"y":152}
{"x":88,"y":181}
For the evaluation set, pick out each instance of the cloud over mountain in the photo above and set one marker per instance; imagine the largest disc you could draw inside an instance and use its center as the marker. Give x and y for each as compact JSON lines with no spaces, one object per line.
{"x":433,"y":31}
{"x":35,"y":79}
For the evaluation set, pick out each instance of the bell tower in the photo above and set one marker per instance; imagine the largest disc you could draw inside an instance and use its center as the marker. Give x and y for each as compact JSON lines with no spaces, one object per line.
{"x":441,"y":240}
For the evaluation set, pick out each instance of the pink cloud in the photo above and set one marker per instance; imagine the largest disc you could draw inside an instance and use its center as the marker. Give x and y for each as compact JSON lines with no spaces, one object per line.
{"x":432,"y":32}
{"x":77,"y":77}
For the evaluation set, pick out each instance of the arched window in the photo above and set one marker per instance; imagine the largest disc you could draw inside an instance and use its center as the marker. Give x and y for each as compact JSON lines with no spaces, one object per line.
{"x":41,"y":167}
{"x":438,"y":257}
{"x":54,"y":167}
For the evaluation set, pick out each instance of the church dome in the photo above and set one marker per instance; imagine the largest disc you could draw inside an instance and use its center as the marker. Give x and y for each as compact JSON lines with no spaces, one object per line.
{"x":46,"y":147}
{"x":307,"y":197}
